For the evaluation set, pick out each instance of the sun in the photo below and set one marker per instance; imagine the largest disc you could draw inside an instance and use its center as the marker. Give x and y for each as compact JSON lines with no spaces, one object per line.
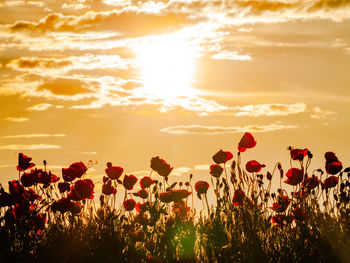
{"x":167,"y":67}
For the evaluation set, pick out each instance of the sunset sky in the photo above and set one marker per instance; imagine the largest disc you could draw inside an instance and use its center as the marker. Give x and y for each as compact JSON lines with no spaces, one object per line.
{"x":123,"y":81}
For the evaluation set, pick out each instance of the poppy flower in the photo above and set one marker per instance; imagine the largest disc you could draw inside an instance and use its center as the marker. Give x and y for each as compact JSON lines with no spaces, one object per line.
{"x":46,"y":178}
{"x":114,"y":172}
{"x":16,"y":189}
{"x":161,"y":166}
{"x":63,"y":187}
{"x":177,"y":195}
{"x":311,"y":183}
{"x":129,"y":204}
{"x":334,"y":167}
{"x":142,"y":193}
{"x":281,"y":205}
{"x":330,"y":182}
{"x":298,"y":154}
{"x":216,"y":170}
{"x":129,"y":181}
{"x":29,"y":179}
{"x":146,"y":182}
{"x":24,"y":162}
{"x":246,"y":142}
{"x":108,"y":189}
{"x":254,"y":166}
{"x":141,"y":207}
{"x":82,"y":189}
{"x":331,"y":157}
{"x":64,"y":205}
{"x":299,"y":214}
{"x":238,"y":197}
{"x":165,"y":197}
{"x":222,"y":157}
{"x":295,"y":176}
{"x":201,"y":187}
{"x":75,"y":170}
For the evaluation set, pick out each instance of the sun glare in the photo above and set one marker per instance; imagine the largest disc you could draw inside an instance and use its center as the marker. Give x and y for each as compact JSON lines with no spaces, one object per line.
{"x":167,"y":68}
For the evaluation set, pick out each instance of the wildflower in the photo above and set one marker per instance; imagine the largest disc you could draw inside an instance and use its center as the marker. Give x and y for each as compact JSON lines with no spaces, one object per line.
{"x":295,"y":176}
{"x":254,"y":166}
{"x":29,"y":179}
{"x":330,"y":182}
{"x":311,"y":182}
{"x":129,"y":181}
{"x":160,"y":166}
{"x":238,"y":197}
{"x":246,"y":142}
{"x":129,"y":204}
{"x":281,"y":205}
{"x":46,"y":178}
{"x":24,"y":162}
{"x":222,"y":157}
{"x":141,"y":207}
{"x":63,"y":187}
{"x":298,"y":154}
{"x":113,"y":172}
{"x":177,"y":195}
{"x":201,"y":187}
{"x":16,"y":189}
{"x":81,"y":190}
{"x":75,"y":170}
{"x":146,"y":182}
{"x":216,"y":170}
{"x":108,"y":189}
{"x":165,"y":197}
{"x":333,"y":165}
{"x":65,"y":205}
{"x":142,"y":193}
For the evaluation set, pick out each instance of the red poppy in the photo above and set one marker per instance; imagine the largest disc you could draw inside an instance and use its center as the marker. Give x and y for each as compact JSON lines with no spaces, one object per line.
{"x":311,"y":183}
{"x":254,"y":166}
{"x":108,"y":189}
{"x":216,"y":170}
{"x":75,"y":170}
{"x":160,"y":166}
{"x":238,"y":197}
{"x":222,"y":157}
{"x":330,"y":157}
{"x":129,"y":181}
{"x":295,"y":176}
{"x":299,"y":214}
{"x":246,"y":142}
{"x":46,"y":178}
{"x":201,"y":187}
{"x":114,"y":172}
{"x":63,"y":187}
{"x":165,"y":197}
{"x":281,"y":205}
{"x":29,"y":179}
{"x":334,"y":167}
{"x":298,"y":154}
{"x":141,"y":207}
{"x":142,"y":193}
{"x":81,"y":190}
{"x":16,"y":189}
{"x":129,"y":204}
{"x":146,"y":182}
{"x":65,"y":205}
{"x":24,"y":162}
{"x":330,"y":182}
{"x":178,"y":195}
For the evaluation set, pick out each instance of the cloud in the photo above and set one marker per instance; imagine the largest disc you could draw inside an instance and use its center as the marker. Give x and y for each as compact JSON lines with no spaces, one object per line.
{"x":40,"y":107}
{"x":64,"y":86}
{"x":29,"y":147}
{"x":16,"y":119}
{"x":179,"y":171}
{"x":318,"y":113}
{"x":209,"y":130}
{"x":227,"y":55}
{"x":273,"y":109}
{"x":36,"y":135}
{"x":202,"y":167}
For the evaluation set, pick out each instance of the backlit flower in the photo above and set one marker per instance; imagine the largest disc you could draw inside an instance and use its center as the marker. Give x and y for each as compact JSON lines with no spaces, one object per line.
{"x":129,"y":204}
{"x":216,"y":170}
{"x":201,"y":187}
{"x":246,"y":142}
{"x":108,"y":189}
{"x":75,"y":170}
{"x":114,"y":172}
{"x":129,"y":181}
{"x":142,"y":193}
{"x":238,"y":197}
{"x":161,"y":166}
{"x":82,"y":189}
{"x":281,"y":205}
{"x":333,"y":165}
{"x":254,"y":166}
{"x":298,"y":154}
{"x":222,"y":157}
{"x":295,"y":176}
{"x":146,"y":182}
{"x":24,"y":162}
{"x":311,"y":183}
{"x":330,"y":182}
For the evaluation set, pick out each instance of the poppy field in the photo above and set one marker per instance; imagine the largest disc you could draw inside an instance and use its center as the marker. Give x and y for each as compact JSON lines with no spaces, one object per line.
{"x":59,"y":218}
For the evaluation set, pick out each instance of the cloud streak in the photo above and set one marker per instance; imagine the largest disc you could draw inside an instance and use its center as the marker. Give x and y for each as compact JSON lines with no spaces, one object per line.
{"x":213,"y":130}
{"x":29,"y":147}
{"x":37,"y":135}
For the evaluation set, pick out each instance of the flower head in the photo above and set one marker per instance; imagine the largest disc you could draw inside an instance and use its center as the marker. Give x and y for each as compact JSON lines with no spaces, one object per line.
{"x":281,"y":205}
{"x":114,"y":172}
{"x":333,"y":165}
{"x":222,"y":157}
{"x":24,"y":162}
{"x":254,"y":166}
{"x":129,"y":181}
{"x":75,"y":170}
{"x":246,"y":142}
{"x":238,"y":197}
{"x":298,"y":154}
{"x":129,"y":204}
{"x":146,"y":182}
{"x":82,"y":189}
{"x":108,"y":189}
{"x":216,"y":170}
{"x":330,"y":182}
{"x":161,"y":166}
{"x":295,"y":176}
{"x":201,"y":187}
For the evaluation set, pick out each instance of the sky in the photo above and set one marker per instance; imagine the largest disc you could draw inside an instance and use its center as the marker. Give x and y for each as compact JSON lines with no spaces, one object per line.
{"x":124,"y":81}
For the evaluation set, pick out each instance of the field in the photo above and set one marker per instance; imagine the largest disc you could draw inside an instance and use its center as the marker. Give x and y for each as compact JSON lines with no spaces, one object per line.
{"x":47,"y":218}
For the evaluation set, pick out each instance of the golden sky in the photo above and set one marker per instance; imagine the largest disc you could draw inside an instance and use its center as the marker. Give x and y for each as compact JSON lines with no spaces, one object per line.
{"x":124,"y":80}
